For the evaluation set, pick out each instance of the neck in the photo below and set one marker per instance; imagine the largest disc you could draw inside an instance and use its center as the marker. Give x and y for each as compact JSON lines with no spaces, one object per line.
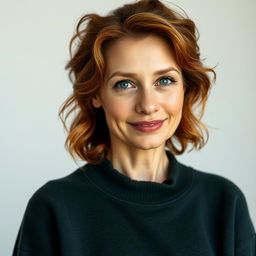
{"x":142,"y":165}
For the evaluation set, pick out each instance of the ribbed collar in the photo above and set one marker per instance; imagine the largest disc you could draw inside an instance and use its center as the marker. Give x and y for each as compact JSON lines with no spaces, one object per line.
{"x":120,"y":186}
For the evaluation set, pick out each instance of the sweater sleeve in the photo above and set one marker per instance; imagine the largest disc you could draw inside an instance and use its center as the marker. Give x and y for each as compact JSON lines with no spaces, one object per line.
{"x":244,"y":230}
{"x":38,"y":231}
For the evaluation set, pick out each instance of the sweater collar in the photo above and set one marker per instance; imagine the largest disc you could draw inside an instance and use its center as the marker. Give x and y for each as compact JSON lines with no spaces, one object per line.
{"x":120,"y":186}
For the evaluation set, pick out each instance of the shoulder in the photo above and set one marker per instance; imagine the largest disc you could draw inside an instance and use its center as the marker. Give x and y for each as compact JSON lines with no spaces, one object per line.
{"x":220,"y":194}
{"x":216,"y":189}
{"x":55,"y":191}
{"x":216,"y":183}
{"x":46,"y":211}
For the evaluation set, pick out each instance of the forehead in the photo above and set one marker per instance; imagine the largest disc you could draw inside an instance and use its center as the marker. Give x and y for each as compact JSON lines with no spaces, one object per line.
{"x":129,"y":51}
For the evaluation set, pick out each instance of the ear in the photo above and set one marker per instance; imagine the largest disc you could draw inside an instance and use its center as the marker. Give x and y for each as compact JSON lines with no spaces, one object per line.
{"x":96,"y":101}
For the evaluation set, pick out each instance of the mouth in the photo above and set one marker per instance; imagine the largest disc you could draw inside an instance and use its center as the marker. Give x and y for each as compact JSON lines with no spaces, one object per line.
{"x":148,"y":123}
{"x":148,"y":126}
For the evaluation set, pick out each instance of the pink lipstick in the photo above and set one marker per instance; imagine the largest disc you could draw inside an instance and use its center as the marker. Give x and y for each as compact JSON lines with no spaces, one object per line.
{"x":148,"y":126}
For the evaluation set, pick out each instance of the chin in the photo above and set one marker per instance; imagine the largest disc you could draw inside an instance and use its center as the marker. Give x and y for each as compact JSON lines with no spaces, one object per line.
{"x":147,"y":145}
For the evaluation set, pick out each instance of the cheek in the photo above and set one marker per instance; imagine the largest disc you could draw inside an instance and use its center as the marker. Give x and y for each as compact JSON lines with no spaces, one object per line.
{"x":116,"y":109}
{"x":174,"y":102}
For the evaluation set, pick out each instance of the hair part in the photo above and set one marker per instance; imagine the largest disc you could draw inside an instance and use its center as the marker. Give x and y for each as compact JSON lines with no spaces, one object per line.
{"x":88,"y":136}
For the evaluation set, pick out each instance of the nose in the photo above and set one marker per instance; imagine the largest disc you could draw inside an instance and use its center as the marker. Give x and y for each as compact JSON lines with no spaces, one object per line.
{"x":147,"y":103}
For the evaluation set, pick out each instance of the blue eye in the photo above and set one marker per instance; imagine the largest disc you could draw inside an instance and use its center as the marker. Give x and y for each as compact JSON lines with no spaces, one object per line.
{"x":127,"y":84}
{"x":165,"y":81}
{"x":124,"y":84}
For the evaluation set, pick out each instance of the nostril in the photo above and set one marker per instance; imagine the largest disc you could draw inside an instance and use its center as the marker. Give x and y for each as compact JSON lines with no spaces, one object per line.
{"x":146,"y":109}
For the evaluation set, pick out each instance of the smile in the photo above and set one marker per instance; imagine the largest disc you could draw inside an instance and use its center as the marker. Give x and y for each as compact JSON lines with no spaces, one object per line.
{"x":147,"y":126}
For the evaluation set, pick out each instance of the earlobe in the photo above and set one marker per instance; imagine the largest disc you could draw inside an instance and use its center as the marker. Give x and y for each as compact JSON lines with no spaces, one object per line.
{"x":96,"y":102}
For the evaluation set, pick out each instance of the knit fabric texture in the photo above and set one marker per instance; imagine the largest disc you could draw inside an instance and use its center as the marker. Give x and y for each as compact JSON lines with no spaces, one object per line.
{"x":97,"y":210}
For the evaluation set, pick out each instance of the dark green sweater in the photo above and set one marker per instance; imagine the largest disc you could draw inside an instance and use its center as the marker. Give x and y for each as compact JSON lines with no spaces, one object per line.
{"x":98,"y":211}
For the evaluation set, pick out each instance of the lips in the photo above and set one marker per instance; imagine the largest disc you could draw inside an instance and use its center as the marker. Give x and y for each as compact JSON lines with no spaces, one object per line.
{"x":147,"y":126}
{"x":148,"y":123}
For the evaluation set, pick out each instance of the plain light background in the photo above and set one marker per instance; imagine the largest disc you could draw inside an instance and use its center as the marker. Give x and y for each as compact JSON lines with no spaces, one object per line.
{"x":34,"y":50}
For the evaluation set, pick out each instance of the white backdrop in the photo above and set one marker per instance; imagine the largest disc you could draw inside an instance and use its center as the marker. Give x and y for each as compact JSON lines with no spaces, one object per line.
{"x":34,"y":50}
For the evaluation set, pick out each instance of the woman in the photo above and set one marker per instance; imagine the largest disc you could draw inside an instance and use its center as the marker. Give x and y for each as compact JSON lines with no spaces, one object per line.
{"x":137,"y":77}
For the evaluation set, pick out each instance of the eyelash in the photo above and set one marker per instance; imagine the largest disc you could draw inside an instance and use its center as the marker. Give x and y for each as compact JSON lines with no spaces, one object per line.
{"x":164,"y":77}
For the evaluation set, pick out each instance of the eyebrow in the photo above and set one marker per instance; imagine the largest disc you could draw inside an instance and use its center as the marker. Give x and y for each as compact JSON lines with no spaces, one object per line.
{"x":158,"y":72}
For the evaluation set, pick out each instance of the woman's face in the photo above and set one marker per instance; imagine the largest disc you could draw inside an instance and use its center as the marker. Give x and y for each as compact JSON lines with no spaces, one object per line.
{"x":143,"y":83}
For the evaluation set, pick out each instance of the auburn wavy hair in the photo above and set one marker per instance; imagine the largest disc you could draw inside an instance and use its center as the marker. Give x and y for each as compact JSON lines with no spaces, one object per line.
{"x":87,"y":134}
